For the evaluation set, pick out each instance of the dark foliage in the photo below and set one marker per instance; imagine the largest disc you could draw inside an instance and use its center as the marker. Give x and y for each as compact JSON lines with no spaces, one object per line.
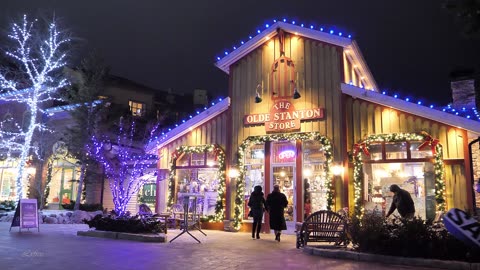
{"x":408,"y":238}
{"x":129,"y":224}
{"x":84,"y":207}
{"x":7,"y":205}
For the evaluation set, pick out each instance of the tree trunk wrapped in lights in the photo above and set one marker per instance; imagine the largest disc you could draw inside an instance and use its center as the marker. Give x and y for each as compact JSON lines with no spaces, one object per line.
{"x":125,"y":165}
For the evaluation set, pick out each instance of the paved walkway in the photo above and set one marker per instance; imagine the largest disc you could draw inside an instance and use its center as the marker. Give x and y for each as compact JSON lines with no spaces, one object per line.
{"x":58,"y":247}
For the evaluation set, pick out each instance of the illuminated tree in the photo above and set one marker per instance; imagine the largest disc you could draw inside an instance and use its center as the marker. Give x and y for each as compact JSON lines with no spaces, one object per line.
{"x":38,"y":52}
{"x":125,"y":164}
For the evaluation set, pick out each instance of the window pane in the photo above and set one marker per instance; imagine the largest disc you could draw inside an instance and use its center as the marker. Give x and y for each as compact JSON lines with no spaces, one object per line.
{"x":212,"y":160}
{"x":375,"y":151}
{"x":283,"y":152}
{"x":255,"y":154}
{"x":425,"y":152}
{"x":137,"y":109}
{"x":313,"y":152}
{"x":183,"y":160}
{"x":198,"y":159}
{"x":254,"y":176}
{"x":396,"y":150}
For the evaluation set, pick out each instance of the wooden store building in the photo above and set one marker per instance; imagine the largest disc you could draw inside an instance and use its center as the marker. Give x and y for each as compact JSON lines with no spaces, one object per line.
{"x":304,"y":112}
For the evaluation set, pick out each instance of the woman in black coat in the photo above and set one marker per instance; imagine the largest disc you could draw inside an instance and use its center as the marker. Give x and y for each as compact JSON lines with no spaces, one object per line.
{"x":276,"y":202}
{"x":257,"y":206}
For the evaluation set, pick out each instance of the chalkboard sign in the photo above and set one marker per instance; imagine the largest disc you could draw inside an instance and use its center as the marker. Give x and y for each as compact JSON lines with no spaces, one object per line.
{"x":26,"y":215}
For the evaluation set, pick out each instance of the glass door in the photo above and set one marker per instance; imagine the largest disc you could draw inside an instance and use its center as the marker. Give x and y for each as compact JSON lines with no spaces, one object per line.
{"x":284,"y":177}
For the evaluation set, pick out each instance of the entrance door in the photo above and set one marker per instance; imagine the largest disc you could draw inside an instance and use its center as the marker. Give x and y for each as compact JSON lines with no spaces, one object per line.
{"x":284,"y":177}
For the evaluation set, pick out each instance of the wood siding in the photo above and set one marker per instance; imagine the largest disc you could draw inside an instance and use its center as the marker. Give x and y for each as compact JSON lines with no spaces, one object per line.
{"x":365,"y":118}
{"x":318,"y":68}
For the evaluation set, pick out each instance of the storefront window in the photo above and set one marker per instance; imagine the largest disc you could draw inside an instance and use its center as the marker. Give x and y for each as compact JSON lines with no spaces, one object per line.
{"x":411,"y":174}
{"x":314,"y":178}
{"x":194,"y":175}
{"x":254,"y":171}
{"x":202,"y":181}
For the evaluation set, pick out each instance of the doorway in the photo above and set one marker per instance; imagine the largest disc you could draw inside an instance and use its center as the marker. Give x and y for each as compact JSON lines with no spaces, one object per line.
{"x":284,"y":177}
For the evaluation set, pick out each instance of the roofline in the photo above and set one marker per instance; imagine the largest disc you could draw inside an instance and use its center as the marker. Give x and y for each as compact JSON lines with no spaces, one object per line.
{"x":188,"y":126}
{"x":271,"y":32}
{"x":408,"y":107}
{"x":346,"y":43}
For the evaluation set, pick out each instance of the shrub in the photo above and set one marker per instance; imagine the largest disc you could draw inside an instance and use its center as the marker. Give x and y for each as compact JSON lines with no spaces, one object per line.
{"x":409,"y":238}
{"x":129,"y":224}
{"x":7,"y":205}
{"x":89,"y":207}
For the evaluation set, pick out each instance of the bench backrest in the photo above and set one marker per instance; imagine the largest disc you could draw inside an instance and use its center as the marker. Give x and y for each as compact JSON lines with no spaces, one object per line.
{"x":324,"y":224}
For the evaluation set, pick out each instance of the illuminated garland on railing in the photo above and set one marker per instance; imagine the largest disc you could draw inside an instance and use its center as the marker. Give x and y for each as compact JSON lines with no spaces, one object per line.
{"x":398,"y":137}
{"x":220,"y":155}
{"x":240,"y":183}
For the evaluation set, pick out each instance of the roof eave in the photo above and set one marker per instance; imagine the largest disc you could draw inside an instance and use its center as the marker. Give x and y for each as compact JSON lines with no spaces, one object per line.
{"x":412,"y":108}
{"x":270,"y":32}
{"x":188,"y":126}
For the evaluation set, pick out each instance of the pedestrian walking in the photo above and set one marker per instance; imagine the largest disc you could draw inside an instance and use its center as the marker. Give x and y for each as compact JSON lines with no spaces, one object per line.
{"x":402,"y":201}
{"x":257,"y":207}
{"x":276,"y":203}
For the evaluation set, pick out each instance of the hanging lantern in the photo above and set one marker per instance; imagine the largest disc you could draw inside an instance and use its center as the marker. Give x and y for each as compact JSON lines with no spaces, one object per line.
{"x":477,"y":186}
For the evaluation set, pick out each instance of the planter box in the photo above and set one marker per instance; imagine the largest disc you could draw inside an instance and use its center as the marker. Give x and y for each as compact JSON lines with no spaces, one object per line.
{"x":213,"y":226}
{"x":159,"y":238}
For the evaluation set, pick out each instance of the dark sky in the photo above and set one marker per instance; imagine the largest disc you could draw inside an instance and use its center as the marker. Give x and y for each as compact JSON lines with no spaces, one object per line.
{"x":410,"y":46}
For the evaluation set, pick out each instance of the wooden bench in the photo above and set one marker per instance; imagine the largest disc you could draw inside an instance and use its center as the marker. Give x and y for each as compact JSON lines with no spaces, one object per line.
{"x":322,"y":226}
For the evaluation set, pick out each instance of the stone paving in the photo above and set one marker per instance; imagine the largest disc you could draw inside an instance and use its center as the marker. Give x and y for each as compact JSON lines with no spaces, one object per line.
{"x":58,"y":247}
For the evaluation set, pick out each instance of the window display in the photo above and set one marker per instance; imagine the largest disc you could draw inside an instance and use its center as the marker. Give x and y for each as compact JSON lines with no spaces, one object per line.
{"x":200,"y":181}
{"x":314,"y":178}
{"x":254,"y":172}
{"x":415,"y":177}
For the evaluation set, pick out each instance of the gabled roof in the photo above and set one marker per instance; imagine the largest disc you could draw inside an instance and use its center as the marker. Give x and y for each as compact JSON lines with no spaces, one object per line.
{"x":189,"y":125}
{"x":412,"y":108}
{"x":350,"y":47}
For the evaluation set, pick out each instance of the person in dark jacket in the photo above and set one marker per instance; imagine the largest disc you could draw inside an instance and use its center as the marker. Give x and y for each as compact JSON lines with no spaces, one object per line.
{"x":257,"y":207}
{"x":276,"y":202}
{"x":402,"y":201}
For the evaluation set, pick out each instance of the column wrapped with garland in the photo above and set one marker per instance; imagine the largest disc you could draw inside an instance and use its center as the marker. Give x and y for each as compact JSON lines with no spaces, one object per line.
{"x":427,"y":141}
{"x":240,"y":184}
{"x":220,"y":156}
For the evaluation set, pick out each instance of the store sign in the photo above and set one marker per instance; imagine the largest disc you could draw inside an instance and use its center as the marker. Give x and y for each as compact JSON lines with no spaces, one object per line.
{"x":283,"y":117}
{"x":463,"y":227}
{"x":149,"y":193}
{"x":287,"y":154}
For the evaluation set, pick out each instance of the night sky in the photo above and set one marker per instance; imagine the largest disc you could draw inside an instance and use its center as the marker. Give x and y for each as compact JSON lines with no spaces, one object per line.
{"x":411,"y":46}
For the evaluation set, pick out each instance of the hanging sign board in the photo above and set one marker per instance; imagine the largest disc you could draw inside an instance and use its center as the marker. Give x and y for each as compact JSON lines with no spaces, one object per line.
{"x":26,"y":215}
{"x":283,"y":117}
{"x":463,"y":227}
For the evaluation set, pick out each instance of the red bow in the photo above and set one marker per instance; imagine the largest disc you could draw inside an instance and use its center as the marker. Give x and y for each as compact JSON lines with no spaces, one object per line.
{"x":428,"y":140}
{"x":217,"y":151}
{"x":360,"y":146}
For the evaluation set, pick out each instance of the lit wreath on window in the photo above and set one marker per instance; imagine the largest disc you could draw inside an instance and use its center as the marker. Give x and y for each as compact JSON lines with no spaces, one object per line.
{"x":240,"y":184}
{"x":428,"y":141}
{"x":220,"y":156}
